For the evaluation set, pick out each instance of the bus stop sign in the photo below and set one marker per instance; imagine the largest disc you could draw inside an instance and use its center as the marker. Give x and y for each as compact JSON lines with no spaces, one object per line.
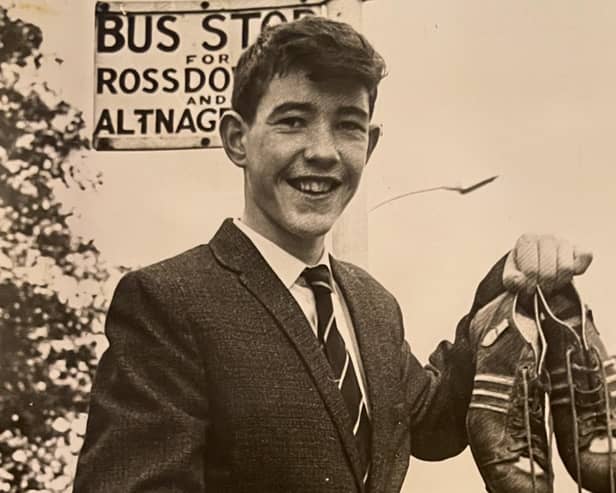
{"x":164,"y":70}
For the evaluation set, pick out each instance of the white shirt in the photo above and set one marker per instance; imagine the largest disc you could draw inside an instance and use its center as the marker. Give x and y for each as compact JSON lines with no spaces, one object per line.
{"x":289,"y":269}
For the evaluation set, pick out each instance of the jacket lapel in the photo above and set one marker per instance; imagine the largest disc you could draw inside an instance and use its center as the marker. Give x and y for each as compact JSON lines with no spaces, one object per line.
{"x":377,"y":355}
{"x":234,"y":250}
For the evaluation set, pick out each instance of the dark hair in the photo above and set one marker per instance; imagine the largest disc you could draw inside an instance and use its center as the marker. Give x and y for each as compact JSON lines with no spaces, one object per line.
{"x":326,"y":49}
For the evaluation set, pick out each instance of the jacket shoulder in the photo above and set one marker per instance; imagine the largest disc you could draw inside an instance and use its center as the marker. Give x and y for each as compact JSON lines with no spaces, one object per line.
{"x":185,"y":262}
{"x":370,"y":283}
{"x":177,"y":272}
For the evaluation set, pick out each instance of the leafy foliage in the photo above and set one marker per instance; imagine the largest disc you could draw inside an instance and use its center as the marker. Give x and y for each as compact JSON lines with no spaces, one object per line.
{"x":51,"y":298}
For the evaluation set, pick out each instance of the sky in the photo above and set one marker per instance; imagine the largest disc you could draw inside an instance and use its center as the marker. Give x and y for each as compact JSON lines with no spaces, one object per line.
{"x":519,"y":89}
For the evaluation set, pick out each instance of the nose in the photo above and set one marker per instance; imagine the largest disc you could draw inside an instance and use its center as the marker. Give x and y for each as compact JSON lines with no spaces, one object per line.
{"x":321,"y":146}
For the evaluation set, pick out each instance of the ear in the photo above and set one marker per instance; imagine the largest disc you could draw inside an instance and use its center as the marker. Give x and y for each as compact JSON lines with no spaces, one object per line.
{"x":233,"y":130}
{"x":374,"y":134}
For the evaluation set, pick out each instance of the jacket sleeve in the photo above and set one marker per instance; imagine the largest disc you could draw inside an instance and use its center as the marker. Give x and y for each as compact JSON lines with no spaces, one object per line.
{"x":147,"y":419}
{"x":438,"y":394}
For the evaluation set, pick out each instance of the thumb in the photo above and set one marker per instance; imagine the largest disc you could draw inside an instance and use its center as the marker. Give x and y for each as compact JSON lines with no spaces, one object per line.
{"x":581,"y":260}
{"x":515,"y":282}
{"x":513,"y":279}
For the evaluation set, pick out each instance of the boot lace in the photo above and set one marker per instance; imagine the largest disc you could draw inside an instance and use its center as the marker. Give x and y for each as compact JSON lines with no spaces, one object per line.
{"x":527,"y":422}
{"x":594,"y":413}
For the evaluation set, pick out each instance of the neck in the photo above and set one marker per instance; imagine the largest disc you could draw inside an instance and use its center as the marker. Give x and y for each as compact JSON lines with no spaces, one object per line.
{"x":308,"y":250}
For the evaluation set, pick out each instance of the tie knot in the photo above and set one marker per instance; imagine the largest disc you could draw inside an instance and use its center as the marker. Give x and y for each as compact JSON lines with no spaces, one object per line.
{"x":318,"y":277}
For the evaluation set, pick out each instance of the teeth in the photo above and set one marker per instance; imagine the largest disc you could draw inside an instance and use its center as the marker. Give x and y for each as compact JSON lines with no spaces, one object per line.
{"x":314,"y":186}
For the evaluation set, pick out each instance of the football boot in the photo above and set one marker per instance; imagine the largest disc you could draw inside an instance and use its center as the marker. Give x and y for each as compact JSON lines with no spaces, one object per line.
{"x":583,"y":390}
{"x":506,"y":416}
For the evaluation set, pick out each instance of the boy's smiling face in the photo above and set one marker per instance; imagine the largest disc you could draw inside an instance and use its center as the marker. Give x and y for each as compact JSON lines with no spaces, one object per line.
{"x":305,"y":153}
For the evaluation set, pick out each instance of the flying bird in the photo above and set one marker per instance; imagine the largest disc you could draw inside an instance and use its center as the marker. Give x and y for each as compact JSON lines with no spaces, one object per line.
{"x":460,"y":190}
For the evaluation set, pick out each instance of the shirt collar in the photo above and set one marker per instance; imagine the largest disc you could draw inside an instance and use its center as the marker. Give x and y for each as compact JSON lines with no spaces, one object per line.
{"x":287,"y":267}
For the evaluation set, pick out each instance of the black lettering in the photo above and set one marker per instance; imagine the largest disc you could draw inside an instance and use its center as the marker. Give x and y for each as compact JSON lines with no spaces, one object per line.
{"x":166,"y":120}
{"x":164,"y":29}
{"x":219,"y":85}
{"x":105,"y":30}
{"x":209,"y":125}
{"x":147,"y":42}
{"x":186,"y":122}
{"x":147,"y":77}
{"x":220,"y":99}
{"x":105,"y":77}
{"x":301,"y":12}
{"x":121,"y":129}
{"x":188,"y":87}
{"x":274,"y":14}
{"x":142,"y":118}
{"x":202,"y":100}
{"x":136,"y":82}
{"x":245,"y":17}
{"x":105,"y":123}
{"x":222,"y":35}
{"x":223,"y":58}
{"x":169,"y":76}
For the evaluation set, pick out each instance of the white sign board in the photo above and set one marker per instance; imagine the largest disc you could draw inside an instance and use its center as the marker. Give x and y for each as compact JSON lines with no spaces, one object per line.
{"x":164,"y":70}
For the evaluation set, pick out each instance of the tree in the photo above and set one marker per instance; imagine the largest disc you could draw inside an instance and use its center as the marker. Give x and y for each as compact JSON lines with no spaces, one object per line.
{"x":51,"y":281}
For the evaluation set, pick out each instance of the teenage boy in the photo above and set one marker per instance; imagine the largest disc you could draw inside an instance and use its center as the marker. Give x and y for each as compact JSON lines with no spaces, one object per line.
{"x":258,"y":362}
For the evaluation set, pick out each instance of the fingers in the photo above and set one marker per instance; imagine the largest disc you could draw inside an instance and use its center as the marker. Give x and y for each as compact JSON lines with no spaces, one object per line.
{"x":548,"y":269}
{"x":581,"y":260}
{"x":564,"y":271}
{"x":513,"y":279}
{"x":543,"y":260}
{"x":526,"y":255}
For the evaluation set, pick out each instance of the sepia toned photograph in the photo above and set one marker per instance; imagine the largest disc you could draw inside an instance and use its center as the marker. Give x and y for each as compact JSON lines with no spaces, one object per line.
{"x":307,"y":246}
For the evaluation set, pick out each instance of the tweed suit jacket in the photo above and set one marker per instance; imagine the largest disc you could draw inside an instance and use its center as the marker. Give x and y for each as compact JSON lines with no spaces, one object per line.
{"x":214,"y":382}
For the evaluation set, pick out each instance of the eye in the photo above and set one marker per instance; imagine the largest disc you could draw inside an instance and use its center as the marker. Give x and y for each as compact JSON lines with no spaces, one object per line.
{"x":293,"y":122}
{"x":351,"y":125}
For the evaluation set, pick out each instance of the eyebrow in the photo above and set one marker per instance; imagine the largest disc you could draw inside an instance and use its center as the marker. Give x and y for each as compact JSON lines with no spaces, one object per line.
{"x":291,"y":106}
{"x":309,"y":107}
{"x":353,"y":111}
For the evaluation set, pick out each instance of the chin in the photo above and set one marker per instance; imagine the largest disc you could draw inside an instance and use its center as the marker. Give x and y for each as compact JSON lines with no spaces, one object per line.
{"x":314,"y":228}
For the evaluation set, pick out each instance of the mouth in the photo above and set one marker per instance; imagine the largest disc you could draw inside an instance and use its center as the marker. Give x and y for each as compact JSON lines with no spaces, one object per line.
{"x":314,"y":185}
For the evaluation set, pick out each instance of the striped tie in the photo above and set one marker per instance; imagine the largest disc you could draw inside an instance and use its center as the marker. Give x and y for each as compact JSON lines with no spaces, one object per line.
{"x":340,"y":360}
